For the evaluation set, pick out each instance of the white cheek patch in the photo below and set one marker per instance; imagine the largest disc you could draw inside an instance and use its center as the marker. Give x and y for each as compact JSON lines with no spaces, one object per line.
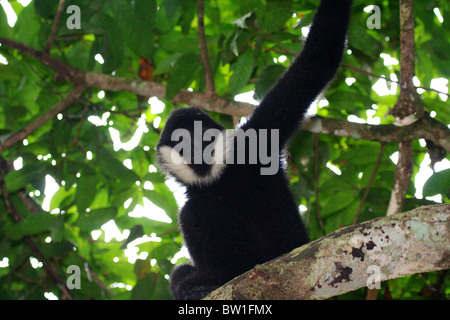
{"x":173,"y":163}
{"x":218,"y":156}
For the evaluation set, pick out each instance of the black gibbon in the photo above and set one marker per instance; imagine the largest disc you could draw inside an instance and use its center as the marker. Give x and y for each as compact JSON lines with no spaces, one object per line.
{"x":239,"y":211}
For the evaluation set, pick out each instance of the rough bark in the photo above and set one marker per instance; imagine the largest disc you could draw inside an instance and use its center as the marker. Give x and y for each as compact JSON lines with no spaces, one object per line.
{"x":402,"y":244}
{"x":405,"y":108}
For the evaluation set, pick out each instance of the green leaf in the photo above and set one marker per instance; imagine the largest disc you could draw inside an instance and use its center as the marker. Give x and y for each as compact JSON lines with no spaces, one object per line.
{"x":267,"y":79}
{"x":136,"y":31}
{"x":27,"y":26}
{"x":136,"y":232}
{"x":438,"y":183}
{"x":5,"y":29}
{"x":57,"y":230}
{"x":19,"y":179}
{"x":146,"y":10}
{"x":150,"y":226}
{"x":300,"y":190}
{"x":59,"y":199}
{"x":94,"y":219}
{"x":112,"y":46}
{"x":338,"y":201}
{"x":339,"y":99}
{"x":274,"y":15}
{"x":178,"y":42}
{"x":164,"y":200}
{"x":166,"y":250}
{"x":189,"y":10}
{"x":79,"y":54}
{"x":144,"y":288}
{"x":34,"y":224}
{"x":182,"y":74}
{"x":242,"y":71}
{"x":141,"y":268}
{"x":173,"y":10}
{"x":306,"y":20}
{"x":167,"y":65}
{"x":86,"y":191}
{"x":102,"y":199}
{"x":15,"y":113}
{"x":162,"y":288}
{"x":439,"y":48}
{"x":58,"y":250}
{"x":358,"y":38}
{"x":46,"y":8}
{"x":363,"y":154}
{"x":113,"y":168}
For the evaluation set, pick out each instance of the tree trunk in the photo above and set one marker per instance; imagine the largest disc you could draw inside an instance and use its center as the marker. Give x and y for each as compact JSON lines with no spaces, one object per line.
{"x":351,"y":258}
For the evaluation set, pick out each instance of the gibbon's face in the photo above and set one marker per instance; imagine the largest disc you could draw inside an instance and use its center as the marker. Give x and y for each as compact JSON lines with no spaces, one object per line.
{"x":192,"y":147}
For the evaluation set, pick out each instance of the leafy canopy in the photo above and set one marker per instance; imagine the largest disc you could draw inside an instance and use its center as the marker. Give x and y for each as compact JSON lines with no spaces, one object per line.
{"x":99,"y":185}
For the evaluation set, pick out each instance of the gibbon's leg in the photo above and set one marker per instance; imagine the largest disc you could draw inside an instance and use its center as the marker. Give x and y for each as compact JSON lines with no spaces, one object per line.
{"x":189,"y":283}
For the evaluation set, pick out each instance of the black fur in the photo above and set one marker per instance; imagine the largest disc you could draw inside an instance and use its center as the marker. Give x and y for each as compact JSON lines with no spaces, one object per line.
{"x":242,"y":218}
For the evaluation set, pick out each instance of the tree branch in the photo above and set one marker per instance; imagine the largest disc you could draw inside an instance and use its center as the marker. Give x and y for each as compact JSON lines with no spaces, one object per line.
{"x":426,"y":127}
{"x":209,"y":79}
{"x":47,"y":116}
{"x":12,"y":211}
{"x":345,"y":260}
{"x":402,"y":178}
{"x":422,"y":128}
{"x":65,"y":72}
{"x":350,"y":67}
{"x":316,"y":187}
{"x":55,"y":26}
{"x":154,"y":89}
{"x":370,"y":74}
{"x":405,"y":108}
{"x":369,"y":184}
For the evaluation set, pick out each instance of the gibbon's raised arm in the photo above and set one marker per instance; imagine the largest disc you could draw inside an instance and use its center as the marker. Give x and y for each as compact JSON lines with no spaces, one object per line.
{"x":285,"y":104}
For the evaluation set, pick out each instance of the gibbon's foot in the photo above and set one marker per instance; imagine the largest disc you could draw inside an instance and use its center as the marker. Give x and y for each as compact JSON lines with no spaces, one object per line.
{"x":188,"y":283}
{"x":195,"y":293}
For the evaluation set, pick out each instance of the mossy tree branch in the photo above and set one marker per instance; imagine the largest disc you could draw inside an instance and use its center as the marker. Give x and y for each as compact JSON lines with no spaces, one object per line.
{"x":351,"y":258}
